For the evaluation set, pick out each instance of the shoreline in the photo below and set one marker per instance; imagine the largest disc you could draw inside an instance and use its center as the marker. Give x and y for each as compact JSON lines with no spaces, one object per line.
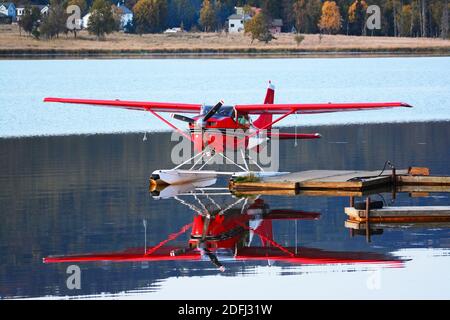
{"x":223,"y":53}
{"x":201,"y":45}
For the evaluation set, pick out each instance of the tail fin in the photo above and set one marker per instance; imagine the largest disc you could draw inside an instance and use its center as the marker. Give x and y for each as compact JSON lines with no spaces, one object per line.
{"x":266,"y":118}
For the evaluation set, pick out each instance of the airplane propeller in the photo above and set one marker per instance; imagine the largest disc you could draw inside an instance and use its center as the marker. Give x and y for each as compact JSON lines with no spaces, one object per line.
{"x":183,"y":118}
{"x":202,"y":121}
{"x":213,"y":111}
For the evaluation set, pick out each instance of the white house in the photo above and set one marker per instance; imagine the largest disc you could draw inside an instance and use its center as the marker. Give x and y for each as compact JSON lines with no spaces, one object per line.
{"x":126,"y":15}
{"x":8,"y":9}
{"x":85,"y":20}
{"x":43,"y":9}
{"x":236,"y":22}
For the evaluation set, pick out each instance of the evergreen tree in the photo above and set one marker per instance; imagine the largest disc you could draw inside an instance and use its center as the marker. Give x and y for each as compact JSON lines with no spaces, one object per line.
{"x":101,"y":21}
{"x":55,"y":22}
{"x":357,"y":17}
{"x":30,"y":21}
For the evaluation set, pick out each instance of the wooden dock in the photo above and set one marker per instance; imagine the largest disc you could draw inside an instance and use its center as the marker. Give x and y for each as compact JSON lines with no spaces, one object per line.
{"x":343,"y":181}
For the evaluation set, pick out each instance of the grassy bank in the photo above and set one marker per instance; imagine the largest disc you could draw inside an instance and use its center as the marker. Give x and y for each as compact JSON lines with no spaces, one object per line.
{"x":13,"y":45}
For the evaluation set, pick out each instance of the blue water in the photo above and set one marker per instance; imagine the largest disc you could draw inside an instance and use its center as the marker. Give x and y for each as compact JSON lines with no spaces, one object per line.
{"x":422,"y":82}
{"x":72,"y":194}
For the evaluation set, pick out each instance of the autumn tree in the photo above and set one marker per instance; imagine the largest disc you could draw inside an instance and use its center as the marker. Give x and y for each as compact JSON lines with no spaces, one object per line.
{"x":405,"y":25}
{"x":357,"y":17}
{"x":330,"y":20}
{"x":300,"y":15}
{"x":258,"y":28}
{"x":208,"y":17}
{"x":150,"y":16}
{"x":101,"y":21}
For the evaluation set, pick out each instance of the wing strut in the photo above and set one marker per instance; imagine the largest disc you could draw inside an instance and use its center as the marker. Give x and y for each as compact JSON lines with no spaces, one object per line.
{"x":170,"y":125}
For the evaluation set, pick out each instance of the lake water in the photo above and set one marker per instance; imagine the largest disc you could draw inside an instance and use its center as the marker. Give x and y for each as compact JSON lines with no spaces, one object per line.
{"x":65,"y":195}
{"x":421,"y":82}
{"x":79,"y":195}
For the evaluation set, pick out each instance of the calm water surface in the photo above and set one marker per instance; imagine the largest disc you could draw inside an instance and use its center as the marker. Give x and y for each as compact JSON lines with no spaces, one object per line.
{"x":88,"y":195}
{"x":422,"y":82}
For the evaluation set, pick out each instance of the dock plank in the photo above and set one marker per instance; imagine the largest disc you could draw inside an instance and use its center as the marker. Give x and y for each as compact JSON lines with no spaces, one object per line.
{"x":342,"y":180}
{"x":418,"y":213}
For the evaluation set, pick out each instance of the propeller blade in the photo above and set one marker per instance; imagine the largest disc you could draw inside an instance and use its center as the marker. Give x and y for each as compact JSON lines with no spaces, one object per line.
{"x":183,"y":118}
{"x":213,"y":110}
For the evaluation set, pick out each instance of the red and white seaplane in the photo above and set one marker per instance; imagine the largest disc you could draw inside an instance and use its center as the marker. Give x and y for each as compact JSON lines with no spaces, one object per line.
{"x":207,"y":128}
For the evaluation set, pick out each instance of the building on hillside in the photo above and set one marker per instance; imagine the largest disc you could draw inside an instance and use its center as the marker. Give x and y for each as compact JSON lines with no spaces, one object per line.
{"x":276,"y":26}
{"x":237,"y":20}
{"x":8,"y":11}
{"x":43,"y":9}
{"x":126,"y":15}
{"x":85,"y":20}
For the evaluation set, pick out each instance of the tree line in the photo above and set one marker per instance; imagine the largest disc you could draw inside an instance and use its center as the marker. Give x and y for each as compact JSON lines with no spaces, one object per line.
{"x":409,"y":18}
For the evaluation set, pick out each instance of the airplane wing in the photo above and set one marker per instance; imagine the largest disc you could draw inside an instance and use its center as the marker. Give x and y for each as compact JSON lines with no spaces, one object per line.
{"x":315,"y":107}
{"x":133,"y":105}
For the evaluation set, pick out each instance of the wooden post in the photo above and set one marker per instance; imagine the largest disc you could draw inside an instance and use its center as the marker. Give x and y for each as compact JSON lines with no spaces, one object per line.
{"x":352,"y":201}
{"x":367,"y":219}
{"x":394,"y":178}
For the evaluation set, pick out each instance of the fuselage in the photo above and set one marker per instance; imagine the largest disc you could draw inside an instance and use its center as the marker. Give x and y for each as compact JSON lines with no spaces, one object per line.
{"x":225,"y":130}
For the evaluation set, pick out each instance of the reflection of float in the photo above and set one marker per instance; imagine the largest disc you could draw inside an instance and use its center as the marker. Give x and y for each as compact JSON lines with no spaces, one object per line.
{"x":234,"y":233}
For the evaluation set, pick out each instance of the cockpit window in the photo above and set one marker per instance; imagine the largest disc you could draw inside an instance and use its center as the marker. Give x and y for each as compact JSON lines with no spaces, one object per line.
{"x":224,"y":111}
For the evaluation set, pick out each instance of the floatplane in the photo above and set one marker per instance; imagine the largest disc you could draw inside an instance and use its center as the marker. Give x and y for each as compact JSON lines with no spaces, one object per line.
{"x":208,"y":125}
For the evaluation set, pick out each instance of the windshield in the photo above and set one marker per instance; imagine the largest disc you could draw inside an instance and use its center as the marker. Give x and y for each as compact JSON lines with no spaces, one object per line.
{"x":224,"y":111}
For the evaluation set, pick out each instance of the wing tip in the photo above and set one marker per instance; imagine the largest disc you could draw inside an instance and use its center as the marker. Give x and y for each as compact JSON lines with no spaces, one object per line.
{"x":50,"y":99}
{"x":406,"y":105}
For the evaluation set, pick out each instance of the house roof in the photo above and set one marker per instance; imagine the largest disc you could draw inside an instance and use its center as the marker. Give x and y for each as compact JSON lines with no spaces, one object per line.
{"x":6,"y":4}
{"x":125,"y":10}
{"x":277,"y":23}
{"x":39,"y":6}
{"x":236,"y":17}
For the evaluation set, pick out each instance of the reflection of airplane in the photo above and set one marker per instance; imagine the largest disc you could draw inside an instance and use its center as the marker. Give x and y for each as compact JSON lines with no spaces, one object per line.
{"x":215,"y":129}
{"x":231,"y":233}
